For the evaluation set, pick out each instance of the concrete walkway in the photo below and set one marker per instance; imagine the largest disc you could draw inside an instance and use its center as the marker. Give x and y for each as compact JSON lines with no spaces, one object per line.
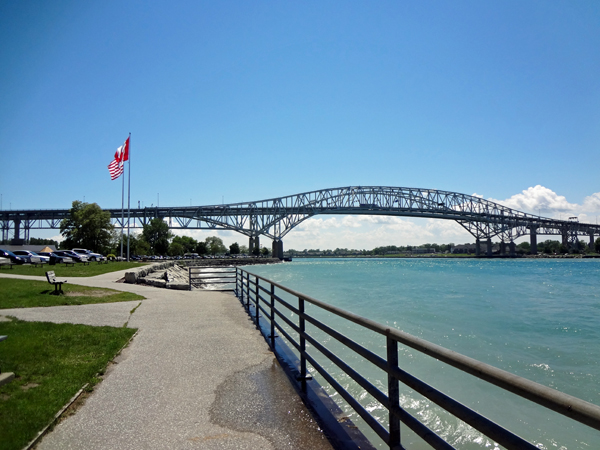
{"x":197,"y":375}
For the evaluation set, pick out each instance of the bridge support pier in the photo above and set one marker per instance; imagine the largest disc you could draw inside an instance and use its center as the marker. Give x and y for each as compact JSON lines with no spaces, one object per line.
{"x":591,"y":241}
{"x":253,"y":244}
{"x":5,"y":228}
{"x":17,"y":239}
{"x":477,"y":247}
{"x":512,"y":248}
{"x":489,"y":247}
{"x":277,"y":248}
{"x":502,"y":248}
{"x":533,"y":241}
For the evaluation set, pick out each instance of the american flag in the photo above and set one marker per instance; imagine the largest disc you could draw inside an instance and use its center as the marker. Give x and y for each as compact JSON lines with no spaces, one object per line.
{"x":115,"y":168}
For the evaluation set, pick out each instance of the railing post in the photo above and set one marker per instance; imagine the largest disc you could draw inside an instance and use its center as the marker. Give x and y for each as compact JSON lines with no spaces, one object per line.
{"x":257,"y":302}
{"x":393,"y":393}
{"x":236,"y":282}
{"x":302,"y":326}
{"x":247,"y":291}
{"x":272,"y":316}
{"x":190,"y":277}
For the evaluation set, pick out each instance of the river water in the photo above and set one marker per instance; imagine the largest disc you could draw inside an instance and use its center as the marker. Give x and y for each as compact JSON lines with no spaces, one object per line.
{"x":537,"y":318}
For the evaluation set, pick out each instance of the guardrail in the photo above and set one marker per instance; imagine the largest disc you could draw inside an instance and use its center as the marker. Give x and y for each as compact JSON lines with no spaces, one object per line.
{"x":265,"y":298}
{"x":201,"y":276}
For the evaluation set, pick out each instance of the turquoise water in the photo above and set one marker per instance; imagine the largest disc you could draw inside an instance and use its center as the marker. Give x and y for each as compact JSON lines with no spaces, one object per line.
{"x":536,"y":318}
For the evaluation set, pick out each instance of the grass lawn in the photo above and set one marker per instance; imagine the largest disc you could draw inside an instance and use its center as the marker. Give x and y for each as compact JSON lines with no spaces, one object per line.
{"x":51,"y":362}
{"x":28,"y":293}
{"x":78,"y":270}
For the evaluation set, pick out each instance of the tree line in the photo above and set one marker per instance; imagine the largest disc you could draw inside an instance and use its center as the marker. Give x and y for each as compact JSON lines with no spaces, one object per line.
{"x":547,"y":247}
{"x":88,"y":226}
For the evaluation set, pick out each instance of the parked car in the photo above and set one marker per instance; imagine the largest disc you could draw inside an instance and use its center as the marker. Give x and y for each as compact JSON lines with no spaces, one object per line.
{"x":10,"y":255}
{"x":91,"y":255}
{"x":51,"y":254}
{"x":74,"y":256}
{"x":58,"y":258}
{"x":27,"y":254}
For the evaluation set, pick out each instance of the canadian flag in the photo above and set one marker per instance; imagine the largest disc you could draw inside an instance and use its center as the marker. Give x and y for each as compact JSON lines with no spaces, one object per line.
{"x":115,"y":168}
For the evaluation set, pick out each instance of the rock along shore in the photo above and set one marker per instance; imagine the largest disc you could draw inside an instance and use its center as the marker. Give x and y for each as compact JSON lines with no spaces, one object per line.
{"x":174,"y":274}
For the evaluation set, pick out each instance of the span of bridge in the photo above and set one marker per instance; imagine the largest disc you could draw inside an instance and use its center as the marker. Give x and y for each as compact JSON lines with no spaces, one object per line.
{"x":274,"y":218}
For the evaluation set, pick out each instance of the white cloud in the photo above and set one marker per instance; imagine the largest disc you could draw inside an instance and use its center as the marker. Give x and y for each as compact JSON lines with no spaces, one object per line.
{"x":592,"y":203}
{"x":539,"y":199}
{"x":351,"y":222}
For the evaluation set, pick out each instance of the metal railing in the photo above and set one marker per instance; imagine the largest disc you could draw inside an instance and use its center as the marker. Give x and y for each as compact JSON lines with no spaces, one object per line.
{"x":265,"y":298}
{"x":216,"y":278}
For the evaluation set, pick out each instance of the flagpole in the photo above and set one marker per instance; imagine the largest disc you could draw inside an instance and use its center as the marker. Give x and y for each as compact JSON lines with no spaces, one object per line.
{"x":128,"y":192}
{"x":122,"y":206}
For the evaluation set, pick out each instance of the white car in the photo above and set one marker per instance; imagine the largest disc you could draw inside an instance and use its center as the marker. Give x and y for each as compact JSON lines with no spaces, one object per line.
{"x":27,"y":254}
{"x":91,"y":255}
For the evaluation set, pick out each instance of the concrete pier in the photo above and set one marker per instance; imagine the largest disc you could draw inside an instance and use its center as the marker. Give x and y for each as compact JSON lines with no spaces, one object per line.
{"x":277,"y":249}
{"x":512,"y":248}
{"x":533,"y":240}
{"x":197,"y":375}
{"x":254,"y":243}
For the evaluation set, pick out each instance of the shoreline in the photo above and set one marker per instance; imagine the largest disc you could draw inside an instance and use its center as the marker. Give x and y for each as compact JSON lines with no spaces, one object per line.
{"x":462,"y":256}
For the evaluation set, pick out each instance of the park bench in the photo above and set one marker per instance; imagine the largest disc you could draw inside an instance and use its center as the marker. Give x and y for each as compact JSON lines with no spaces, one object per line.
{"x":37,"y":261}
{"x":66,"y":261}
{"x":6,"y":262}
{"x":51,"y":277}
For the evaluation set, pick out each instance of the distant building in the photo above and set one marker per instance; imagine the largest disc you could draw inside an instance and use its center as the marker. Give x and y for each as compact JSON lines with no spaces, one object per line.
{"x":423,"y":250}
{"x":472,"y":248}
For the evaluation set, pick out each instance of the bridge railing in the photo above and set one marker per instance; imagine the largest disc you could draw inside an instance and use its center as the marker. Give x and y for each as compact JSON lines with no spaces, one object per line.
{"x":273,"y":314}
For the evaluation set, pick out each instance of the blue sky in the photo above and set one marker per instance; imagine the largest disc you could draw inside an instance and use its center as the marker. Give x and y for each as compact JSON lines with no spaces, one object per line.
{"x":238,"y":101}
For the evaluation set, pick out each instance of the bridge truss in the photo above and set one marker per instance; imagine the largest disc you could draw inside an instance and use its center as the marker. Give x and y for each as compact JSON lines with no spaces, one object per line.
{"x":276,"y":217}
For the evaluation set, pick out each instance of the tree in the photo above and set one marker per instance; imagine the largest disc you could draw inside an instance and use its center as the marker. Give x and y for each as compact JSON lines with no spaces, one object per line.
{"x":215,"y":245}
{"x":188,"y":244}
{"x":549,"y":247}
{"x":87,"y":226}
{"x":201,"y":248}
{"x":176,"y":249}
{"x":597,"y":245}
{"x":265,"y":251}
{"x":40,"y":241}
{"x":138,"y":245}
{"x":582,"y":247}
{"x":243,"y":249}
{"x":234,"y":248}
{"x":157,"y":235}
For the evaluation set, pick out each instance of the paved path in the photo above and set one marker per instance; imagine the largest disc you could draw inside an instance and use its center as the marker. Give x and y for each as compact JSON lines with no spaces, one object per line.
{"x":197,"y":375}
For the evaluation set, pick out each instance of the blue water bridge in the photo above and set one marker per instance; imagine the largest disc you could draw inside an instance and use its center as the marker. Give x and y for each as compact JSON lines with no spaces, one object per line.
{"x":275,"y":218}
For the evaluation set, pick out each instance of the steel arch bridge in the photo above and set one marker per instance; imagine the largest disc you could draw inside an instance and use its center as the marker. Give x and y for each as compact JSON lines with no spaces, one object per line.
{"x":276,"y":217}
